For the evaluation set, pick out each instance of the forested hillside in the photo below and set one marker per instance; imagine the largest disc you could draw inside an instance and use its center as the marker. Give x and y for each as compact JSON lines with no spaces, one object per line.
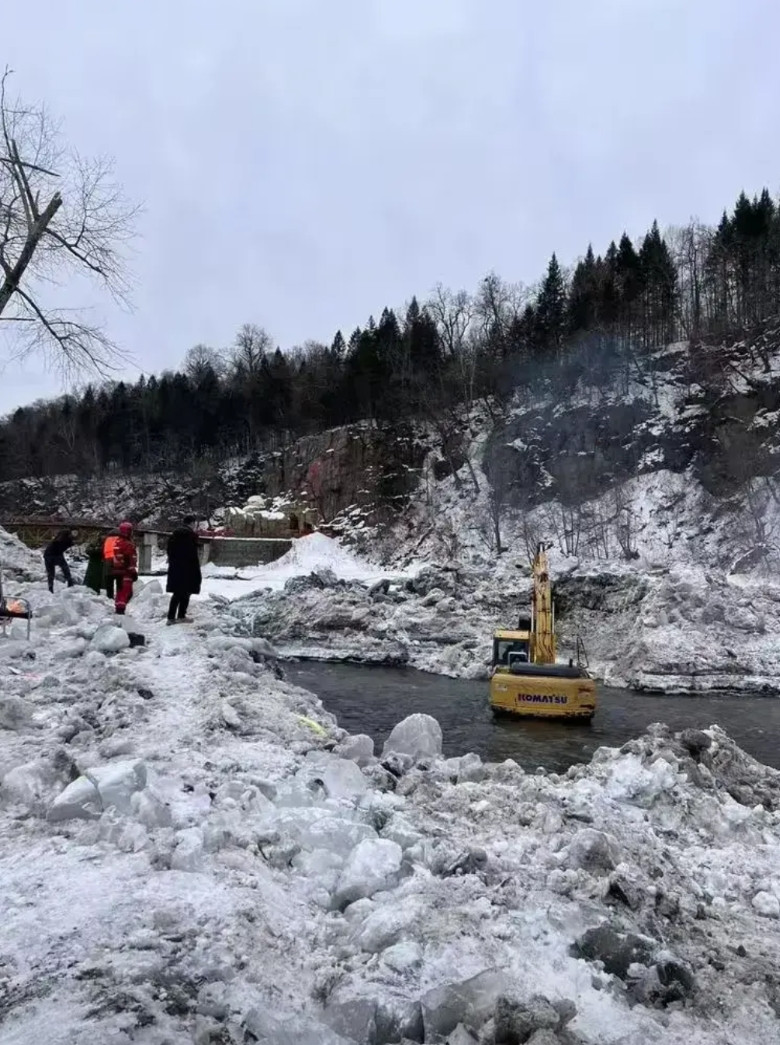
{"x":603,"y":318}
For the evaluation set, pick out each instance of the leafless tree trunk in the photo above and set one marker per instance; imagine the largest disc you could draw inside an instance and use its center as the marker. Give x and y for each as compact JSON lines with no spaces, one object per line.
{"x":59,"y":216}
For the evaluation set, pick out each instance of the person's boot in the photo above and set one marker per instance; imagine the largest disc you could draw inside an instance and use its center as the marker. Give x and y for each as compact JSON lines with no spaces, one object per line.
{"x":171,"y":620}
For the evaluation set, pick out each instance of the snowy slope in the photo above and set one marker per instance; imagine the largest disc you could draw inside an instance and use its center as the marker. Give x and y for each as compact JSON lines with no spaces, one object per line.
{"x":189,"y":851}
{"x":311,"y":554}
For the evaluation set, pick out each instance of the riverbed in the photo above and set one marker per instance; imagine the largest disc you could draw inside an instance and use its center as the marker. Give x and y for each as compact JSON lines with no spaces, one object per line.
{"x":373,"y":699}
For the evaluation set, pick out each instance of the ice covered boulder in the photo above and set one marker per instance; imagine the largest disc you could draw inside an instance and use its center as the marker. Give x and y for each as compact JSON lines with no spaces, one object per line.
{"x":517,"y":1021}
{"x":668,"y":980}
{"x":617,"y":951}
{"x":469,"y":1002}
{"x":28,"y":785}
{"x":313,"y":828}
{"x":110,"y":639}
{"x":767,"y":905}
{"x":289,"y":1029}
{"x":402,"y":956}
{"x":372,"y":865}
{"x":102,"y":788}
{"x":417,"y":735}
{"x":188,"y":854}
{"x":386,"y":924}
{"x":343,"y":779}
{"x":359,"y":748}
{"x":150,"y":810}
{"x":593,"y":851}
{"x":15,"y":713}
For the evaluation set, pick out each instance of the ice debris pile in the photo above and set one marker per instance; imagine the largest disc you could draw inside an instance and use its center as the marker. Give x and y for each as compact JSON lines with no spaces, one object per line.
{"x":685,"y":629}
{"x":191,"y":850}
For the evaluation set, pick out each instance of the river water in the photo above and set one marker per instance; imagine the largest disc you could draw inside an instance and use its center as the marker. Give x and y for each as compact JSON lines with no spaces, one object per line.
{"x":372,"y":699}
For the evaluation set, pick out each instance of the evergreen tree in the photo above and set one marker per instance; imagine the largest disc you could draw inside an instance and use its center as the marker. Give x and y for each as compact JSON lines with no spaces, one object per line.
{"x":552,"y":308}
{"x":659,"y":282}
{"x":583,"y":295}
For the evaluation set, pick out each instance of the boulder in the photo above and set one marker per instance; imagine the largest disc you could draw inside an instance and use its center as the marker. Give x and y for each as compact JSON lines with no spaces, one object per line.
{"x":359,"y":748}
{"x":617,"y":951}
{"x":418,"y":736}
{"x":469,"y":1002}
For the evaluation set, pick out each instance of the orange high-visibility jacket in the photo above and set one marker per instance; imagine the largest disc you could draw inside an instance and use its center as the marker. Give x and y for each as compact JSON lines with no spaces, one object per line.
{"x":125,"y":559}
{"x":108,"y":547}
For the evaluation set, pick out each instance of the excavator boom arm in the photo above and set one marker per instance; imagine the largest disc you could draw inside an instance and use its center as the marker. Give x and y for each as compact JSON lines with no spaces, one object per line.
{"x":544,"y":651}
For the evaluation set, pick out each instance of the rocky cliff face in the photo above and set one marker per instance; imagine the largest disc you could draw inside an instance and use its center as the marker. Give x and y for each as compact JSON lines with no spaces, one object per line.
{"x":357,"y":465}
{"x":708,"y":410}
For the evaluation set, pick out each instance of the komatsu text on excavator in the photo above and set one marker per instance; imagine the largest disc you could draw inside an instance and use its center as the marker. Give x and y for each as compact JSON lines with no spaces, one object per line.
{"x":525,"y":678}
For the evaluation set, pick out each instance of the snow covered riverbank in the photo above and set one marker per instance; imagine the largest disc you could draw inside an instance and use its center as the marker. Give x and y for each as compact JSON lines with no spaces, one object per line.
{"x":192,"y":850}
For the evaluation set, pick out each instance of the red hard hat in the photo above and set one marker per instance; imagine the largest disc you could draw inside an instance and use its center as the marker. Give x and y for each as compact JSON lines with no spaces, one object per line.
{"x":126,"y":529}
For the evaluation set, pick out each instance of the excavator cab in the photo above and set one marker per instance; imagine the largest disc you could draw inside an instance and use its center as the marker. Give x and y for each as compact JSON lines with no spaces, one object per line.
{"x":510,"y":647}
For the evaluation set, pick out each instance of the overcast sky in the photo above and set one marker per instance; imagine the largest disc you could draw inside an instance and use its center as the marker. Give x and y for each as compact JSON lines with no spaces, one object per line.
{"x":302,"y":163}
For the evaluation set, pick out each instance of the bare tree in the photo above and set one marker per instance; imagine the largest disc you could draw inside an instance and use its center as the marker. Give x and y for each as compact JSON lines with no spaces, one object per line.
{"x":201,"y":359}
{"x":253,"y":344}
{"x":60,"y":217}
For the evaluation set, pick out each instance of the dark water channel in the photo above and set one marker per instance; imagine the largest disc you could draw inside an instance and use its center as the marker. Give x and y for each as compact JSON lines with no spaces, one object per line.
{"x":371,"y":700}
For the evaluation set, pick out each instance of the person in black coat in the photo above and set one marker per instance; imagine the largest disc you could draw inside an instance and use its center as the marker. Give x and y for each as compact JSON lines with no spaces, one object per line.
{"x":184,"y":576}
{"x":54,"y":557}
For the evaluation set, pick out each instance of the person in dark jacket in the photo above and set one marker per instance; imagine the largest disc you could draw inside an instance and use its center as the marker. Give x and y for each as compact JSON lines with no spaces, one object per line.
{"x":93,"y":578}
{"x":54,"y":557}
{"x":184,"y":576}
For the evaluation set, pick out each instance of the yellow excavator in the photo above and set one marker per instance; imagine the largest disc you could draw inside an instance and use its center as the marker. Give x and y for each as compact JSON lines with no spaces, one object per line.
{"x":525,"y":678}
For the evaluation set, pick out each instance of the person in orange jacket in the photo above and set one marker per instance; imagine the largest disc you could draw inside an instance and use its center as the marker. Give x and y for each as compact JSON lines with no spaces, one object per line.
{"x":124,"y":566}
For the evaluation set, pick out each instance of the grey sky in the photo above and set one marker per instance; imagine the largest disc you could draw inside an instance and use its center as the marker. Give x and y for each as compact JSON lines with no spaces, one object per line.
{"x":302,"y":163}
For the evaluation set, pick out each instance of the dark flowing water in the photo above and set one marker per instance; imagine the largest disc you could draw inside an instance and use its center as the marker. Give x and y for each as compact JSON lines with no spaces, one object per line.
{"x":371,"y":700}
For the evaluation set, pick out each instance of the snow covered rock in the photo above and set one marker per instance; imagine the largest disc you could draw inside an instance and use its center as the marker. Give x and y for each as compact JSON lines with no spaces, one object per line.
{"x":516,"y":1021}
{"x":372,"y":865}
{"x":110,"y":639}
{"x":767,"y":905}
{"x":359,"y":748}
{"x":15,"y":713}
{"x":102,"y":788}
{"x":668,"y":980}
{"x":593,"y":851}
{"x":617,"y":951}
{"x":418,"y":736}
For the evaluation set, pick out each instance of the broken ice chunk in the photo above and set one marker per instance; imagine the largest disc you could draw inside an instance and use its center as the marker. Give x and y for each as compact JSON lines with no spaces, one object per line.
{"x":417,"y":735}
{"x":372,"y":865}
{"x":102,"y":788}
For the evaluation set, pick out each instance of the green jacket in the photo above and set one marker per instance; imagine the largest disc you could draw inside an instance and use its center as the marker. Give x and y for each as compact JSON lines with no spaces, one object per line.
{"x":94,"y":576}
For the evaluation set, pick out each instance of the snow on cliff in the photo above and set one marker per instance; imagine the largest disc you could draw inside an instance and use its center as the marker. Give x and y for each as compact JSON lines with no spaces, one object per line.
{"x":191,"y":850}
